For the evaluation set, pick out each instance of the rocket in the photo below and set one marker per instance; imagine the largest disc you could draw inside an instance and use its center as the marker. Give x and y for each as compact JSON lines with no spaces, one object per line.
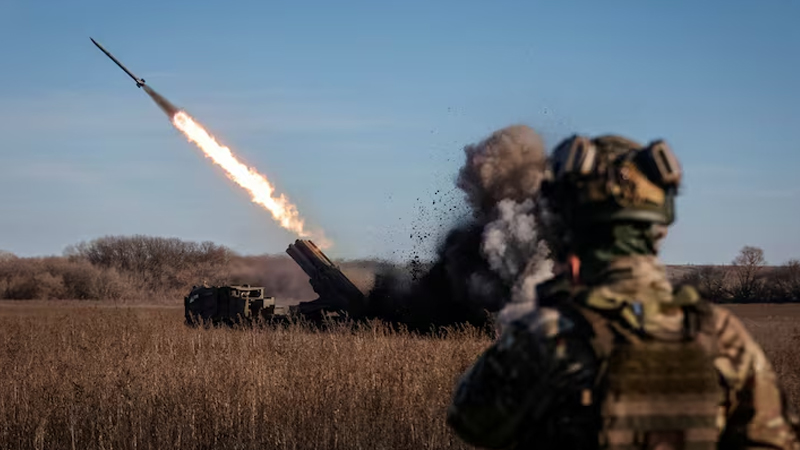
{"x":139,"y":81}
{"x":162,"y":102}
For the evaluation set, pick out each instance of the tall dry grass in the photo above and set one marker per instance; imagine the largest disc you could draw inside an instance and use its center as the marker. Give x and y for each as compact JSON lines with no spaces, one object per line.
{"x":103,"y":377}
{"x":131,"y":378}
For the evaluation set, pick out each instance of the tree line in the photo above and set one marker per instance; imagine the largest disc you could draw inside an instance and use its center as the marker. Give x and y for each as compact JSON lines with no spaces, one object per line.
{"x":747,"y":279}
{"x":158,"y":269}
{"x":144,"y":268}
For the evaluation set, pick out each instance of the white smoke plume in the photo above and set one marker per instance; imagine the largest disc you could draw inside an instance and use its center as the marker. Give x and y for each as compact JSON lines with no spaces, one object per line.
{"x":510,"y":240}
{"x":501,"y":177}
{"x":514,"y":249}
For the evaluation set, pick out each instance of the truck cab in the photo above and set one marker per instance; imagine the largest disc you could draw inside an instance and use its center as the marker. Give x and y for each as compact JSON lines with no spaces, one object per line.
{"x":227,"y":304}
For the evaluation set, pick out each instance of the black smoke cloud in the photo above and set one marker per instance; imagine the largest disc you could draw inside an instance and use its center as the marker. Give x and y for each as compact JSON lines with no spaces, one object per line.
{"x":493,"y":258}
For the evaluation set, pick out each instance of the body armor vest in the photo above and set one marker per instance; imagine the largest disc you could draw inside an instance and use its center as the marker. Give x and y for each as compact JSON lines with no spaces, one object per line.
{"x":656,"y":394}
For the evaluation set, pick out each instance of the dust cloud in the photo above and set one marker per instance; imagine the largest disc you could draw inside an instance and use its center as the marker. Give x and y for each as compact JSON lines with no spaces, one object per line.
{"x":495,"y":257}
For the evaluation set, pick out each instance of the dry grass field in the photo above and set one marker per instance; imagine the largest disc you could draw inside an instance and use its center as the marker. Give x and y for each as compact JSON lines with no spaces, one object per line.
{"x":74,"y":376}
{"x":82,"y":377}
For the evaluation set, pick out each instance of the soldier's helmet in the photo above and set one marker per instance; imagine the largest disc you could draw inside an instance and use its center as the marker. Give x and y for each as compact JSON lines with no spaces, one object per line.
{"x":610,"y":179}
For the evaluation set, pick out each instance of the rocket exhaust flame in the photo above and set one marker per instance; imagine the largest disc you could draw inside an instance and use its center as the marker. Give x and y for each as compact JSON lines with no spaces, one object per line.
{"x":262,"y":192}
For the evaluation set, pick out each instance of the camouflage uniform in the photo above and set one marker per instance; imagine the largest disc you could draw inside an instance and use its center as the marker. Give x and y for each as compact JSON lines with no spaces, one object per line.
{"x":539,"y":385}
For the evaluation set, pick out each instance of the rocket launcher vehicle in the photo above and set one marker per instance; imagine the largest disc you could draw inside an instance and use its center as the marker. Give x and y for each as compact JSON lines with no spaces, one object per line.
{"x":336,"y":292}
{"x":338,"y":297}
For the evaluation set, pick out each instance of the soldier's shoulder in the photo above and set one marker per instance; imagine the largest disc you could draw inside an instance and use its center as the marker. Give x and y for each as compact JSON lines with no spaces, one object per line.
{"x":716,"y":318}
{"x":542,"y":323}
{"x":549,"y":294}
{"x":733,"y":337}
{"x":554,"y":290}
{"x":724,"y":319}
{"x":721,"y":313}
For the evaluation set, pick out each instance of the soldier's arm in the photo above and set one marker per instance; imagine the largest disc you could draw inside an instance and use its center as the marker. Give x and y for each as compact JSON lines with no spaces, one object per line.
{"x":508,"y":384}
{"x":757,"y":414}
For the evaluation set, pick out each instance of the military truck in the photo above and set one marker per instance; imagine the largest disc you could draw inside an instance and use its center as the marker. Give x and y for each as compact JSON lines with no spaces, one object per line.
{"x":338,"y":296}
{"x":228,"y":305}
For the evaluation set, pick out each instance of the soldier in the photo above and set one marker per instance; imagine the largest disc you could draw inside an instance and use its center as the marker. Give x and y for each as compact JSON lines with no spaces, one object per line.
{"x":615,"y":357}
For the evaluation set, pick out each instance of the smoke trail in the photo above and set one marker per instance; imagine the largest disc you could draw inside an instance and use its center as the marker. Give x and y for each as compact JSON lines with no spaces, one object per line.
{"x":169,"y":109}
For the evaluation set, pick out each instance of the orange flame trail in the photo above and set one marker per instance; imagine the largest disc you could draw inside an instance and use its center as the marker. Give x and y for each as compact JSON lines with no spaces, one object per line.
{"x":262,"y":192}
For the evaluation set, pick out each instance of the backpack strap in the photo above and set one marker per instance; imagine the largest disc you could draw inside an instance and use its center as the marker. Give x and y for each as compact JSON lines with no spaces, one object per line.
{"x":603,"y":336}
{"x":697,"y":311}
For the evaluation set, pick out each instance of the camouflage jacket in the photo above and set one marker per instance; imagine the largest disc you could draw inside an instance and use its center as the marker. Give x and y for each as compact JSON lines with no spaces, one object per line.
{"x":525,"y":390}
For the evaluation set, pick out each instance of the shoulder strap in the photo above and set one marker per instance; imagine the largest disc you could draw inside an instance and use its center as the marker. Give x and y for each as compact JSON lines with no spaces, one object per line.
{"x":697,"y":311}
{"x":603,"y":335}
{"x":597,"y":327}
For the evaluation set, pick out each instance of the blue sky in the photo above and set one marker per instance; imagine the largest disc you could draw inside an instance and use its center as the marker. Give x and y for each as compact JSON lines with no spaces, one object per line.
{"x":358,"y":111}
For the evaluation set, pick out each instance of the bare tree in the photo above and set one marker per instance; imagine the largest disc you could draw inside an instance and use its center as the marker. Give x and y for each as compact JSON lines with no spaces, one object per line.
{"x":746,"y":270}
{"x":155,"y":263}
{"x":710,"y":281}
{"x":787,"y":281}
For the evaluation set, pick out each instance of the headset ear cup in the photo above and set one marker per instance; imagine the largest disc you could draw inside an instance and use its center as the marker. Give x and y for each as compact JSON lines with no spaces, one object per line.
{"x":576,"y":155}
{"x":667,"y":167}
{"x":562,"y":157}
{"x":584,"y":157}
